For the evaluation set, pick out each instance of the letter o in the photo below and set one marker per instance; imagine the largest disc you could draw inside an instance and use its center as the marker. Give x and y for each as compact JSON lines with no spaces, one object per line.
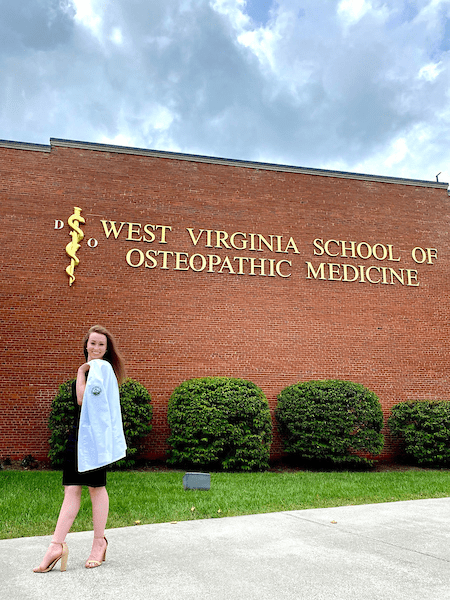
{"x":92,"y":243}
{"x":191,"y":262}
{"x":141,"y":257}
{"x":369,"y":250}
{"x":385,"y":252}
{"x":414,"y":255}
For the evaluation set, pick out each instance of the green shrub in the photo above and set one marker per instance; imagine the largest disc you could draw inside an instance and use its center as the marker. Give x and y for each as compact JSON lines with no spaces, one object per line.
{"x":330,"y":422}
{"x":137,"y":413}
{"x":423,"y":428}
{"x":60,"y":422}
{"x":136,"y":416}
{"x":219,"y":423}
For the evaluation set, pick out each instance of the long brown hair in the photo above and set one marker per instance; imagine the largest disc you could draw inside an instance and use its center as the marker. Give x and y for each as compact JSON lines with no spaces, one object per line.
{"x":112,"y":355}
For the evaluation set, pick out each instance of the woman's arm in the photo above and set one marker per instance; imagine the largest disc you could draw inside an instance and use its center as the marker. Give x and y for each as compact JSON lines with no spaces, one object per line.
{"x":81,"y":382}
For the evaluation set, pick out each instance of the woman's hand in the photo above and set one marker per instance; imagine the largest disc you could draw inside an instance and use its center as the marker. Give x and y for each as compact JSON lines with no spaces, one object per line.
{"x":81,"y":382}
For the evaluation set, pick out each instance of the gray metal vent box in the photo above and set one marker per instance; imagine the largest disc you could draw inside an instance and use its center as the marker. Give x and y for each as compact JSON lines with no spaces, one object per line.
{"x":197,"y":481}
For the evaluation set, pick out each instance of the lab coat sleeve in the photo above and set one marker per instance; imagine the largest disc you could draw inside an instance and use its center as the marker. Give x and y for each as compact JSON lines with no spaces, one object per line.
{"x":101,"y":440}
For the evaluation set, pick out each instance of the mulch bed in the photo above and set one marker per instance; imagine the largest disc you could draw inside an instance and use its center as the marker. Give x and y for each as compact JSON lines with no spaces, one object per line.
{"x":28,"y":463}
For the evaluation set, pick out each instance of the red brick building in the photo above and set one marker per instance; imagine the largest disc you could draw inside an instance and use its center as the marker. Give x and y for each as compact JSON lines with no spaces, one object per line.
{"x":203,"y":266}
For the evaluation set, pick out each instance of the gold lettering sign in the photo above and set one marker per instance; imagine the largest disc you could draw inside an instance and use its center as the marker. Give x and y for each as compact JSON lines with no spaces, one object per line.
{"x":385,"y":269}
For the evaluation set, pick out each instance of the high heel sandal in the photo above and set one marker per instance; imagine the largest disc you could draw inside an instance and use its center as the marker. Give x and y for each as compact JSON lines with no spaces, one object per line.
{"x":63,"y":556}
{"x":91,"y":563}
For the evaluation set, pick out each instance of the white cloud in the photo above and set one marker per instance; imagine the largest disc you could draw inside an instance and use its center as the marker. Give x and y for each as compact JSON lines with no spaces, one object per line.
{"x":116,"y":36}
{"x":399,"y":150}
{"x":87,"y":13}
{"x":233,"y":10}
{"x":414,"y":156}
{"x":121,"y":139}
{"x":430,"y":71}
{"x":363,"y":85}
{"x":262,"y":43}
{"x":352,"y":11}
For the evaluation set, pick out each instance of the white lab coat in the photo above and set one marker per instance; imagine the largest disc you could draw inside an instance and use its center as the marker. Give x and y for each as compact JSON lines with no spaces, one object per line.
{"x":101,"y":440}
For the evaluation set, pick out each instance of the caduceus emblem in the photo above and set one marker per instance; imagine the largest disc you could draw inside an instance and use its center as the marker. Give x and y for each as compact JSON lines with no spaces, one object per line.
{"x":72,"y":247}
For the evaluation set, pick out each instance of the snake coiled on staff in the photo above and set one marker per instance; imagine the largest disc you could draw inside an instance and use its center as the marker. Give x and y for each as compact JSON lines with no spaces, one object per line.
{"x":72,"y":247}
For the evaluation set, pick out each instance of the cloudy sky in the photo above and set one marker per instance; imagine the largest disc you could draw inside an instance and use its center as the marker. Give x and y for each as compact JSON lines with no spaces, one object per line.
{"x":354,"y":85}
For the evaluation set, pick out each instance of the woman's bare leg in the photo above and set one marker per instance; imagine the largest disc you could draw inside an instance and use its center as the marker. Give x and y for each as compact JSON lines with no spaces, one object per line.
{"x":67,"y":514}
{"x":100,"y":509}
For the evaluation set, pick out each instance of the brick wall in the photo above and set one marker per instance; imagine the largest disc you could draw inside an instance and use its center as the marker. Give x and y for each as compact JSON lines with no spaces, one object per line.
{"x":178,"y":316}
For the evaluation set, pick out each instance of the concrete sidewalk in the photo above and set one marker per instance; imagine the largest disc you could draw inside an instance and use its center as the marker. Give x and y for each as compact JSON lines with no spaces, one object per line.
{"x":398,"y":550}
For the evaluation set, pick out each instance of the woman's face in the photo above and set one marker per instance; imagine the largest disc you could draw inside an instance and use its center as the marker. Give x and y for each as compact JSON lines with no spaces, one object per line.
{"x":96,"y":345}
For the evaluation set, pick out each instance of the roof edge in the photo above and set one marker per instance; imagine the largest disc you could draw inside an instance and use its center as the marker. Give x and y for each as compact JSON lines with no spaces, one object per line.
{"x":56,"y":142}
{"x":243,"y":163}
{"x":25,"y":146}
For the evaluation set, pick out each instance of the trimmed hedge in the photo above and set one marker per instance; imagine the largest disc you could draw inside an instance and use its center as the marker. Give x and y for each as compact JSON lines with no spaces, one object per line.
{"x":136,"y":416}
{"x":423,"y":429}
{"x":330,"y":422}
{"x":219,"y":423}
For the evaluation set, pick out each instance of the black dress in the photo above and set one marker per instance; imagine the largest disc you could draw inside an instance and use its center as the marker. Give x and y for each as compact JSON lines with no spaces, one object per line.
{"x":71,"y":475}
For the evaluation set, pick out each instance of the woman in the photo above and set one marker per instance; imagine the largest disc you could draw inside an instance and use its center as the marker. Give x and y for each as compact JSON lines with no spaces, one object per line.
{"x":96,"y":395}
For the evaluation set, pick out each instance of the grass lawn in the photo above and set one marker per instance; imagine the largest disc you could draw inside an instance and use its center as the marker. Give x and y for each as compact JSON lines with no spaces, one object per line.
{"x":30,"y":500}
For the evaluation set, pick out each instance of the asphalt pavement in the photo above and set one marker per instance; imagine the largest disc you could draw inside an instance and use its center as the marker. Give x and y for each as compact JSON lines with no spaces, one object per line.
{"x":398,"y":550}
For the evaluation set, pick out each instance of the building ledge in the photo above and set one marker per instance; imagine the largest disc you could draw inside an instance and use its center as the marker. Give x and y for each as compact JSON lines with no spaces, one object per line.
{"x":25,"y":146}
{"x":55,"y":142}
